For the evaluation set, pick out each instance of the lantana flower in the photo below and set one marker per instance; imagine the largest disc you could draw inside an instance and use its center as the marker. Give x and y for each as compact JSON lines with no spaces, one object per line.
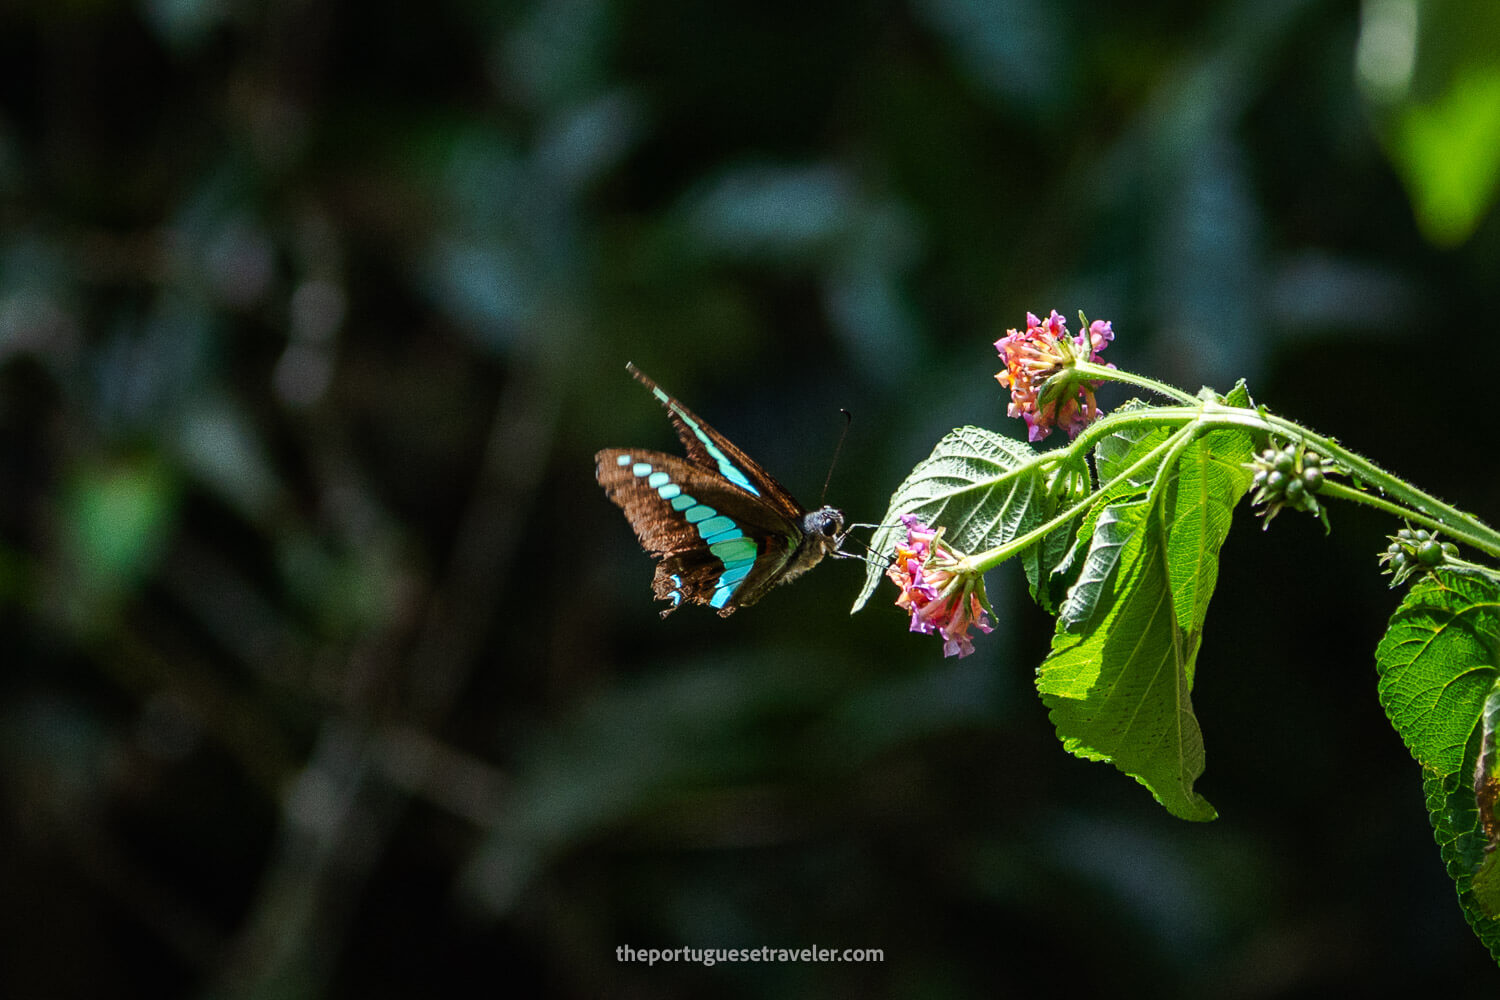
{"x":941,"y":599}
{"x":1037,"y":361}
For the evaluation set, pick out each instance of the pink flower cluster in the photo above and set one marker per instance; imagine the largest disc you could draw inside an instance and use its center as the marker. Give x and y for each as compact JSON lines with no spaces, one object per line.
{"x":939,"y":599}
{"x":1044,"y":351}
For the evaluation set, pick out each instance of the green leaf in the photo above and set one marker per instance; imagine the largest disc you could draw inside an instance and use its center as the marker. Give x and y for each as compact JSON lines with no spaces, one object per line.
{"x":1112,"y":529}
{"x":982,"y":488}
{"x":1448,"y":153}
{"x":1439,"y":666}
{"x":1121,"y":690}
{"x":1122,"y":448}
{"x":1048,"y":563}
{"x":1118,"y":681}
{"x":1113,"y":455}
{"x":1240,"y":396}
{"x":1211,"y":478}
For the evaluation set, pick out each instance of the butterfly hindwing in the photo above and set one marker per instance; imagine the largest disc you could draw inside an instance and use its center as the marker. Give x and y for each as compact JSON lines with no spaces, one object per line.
{"x":724,"y":530}
{"x":703,"y":579}
{"x":718,"y":544}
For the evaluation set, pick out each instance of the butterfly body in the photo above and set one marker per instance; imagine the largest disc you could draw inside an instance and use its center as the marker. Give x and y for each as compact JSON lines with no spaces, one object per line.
{"x":725,"y":531}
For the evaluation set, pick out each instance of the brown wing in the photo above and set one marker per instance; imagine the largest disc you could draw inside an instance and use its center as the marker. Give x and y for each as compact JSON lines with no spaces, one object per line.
{"x":709,"y":449}
{"x":719,"y":545}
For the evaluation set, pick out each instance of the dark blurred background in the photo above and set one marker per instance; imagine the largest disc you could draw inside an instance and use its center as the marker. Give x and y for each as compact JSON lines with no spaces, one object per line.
{"x":329,"y":671}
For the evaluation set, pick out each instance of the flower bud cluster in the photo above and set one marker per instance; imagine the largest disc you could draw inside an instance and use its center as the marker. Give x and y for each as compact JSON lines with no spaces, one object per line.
{"x":1288,"y":477}
{"x":1039,"y":372}
{"x":1413,"y":551}
{"x":941,"y":598}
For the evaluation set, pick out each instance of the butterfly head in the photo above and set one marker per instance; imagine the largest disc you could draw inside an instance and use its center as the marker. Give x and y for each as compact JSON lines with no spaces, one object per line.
{"x":825,"y":521}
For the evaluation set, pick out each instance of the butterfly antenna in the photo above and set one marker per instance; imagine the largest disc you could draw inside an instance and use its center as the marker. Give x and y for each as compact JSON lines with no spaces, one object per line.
{"x":848,"y":419}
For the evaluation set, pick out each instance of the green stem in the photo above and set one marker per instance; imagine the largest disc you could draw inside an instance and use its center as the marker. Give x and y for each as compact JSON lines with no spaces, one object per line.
{"x":1413,"y":504}
{"x":1459,"y":526}
{"x":1458,"y":533}
{"x":1423,"y":506}
{"x":1107,"y":425}
{"x":1092,"y":371}
{"x":1330,"y":488}
{"x":1198,"y":416}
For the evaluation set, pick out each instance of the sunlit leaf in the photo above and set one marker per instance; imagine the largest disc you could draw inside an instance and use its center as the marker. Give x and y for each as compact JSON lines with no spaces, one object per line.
{"x":1211,"y":478}
{"x":1119,"y":679}
{"x":981,"y":488}
{"x":1120,"y":691}
{"x":1120,"y":449}
{"x":1111,"y":530}
{"x":1439,"y":665}
{"x":1115,"y":454}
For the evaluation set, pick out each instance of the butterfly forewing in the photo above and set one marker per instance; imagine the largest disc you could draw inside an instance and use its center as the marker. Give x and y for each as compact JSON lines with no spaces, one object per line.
{"x":710,"y":450}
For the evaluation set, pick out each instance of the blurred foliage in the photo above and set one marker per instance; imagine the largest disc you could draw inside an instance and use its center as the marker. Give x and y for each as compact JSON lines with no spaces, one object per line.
{"x":329,"y":670}
{"x":1429,"y":69}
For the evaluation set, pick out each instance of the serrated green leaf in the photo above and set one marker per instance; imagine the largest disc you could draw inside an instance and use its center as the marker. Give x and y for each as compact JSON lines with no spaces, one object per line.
{"x":1118,"y":681}
{"x":1120,"y":691}
{"x":1439,"y":664}
{"x":1115,"y":453}
{"x":1120,"y":449}
{"x":1486,"y":796}
{"x":981,"y":488}
{"x":1211,"y":478}
{"x":1043,"y":560}
{"x":1112,"y":529}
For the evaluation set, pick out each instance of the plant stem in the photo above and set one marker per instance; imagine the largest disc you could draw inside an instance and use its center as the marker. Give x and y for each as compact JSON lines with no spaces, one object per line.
{"x":1423,"y":505}
{"x":1197,"y":416}
{"x":979,"y":562}
{"x":1414,"y":504}
{"x":1458,"y":533}
{"x":1155,"y":416}
{"x":1092,"y":371}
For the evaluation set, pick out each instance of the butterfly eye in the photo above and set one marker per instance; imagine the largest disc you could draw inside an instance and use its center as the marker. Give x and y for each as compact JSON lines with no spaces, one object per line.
{"x":826,"y":521}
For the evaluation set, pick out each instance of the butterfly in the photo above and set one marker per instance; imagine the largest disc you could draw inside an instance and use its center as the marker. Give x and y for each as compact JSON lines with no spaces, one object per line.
{"x":724,"y":530}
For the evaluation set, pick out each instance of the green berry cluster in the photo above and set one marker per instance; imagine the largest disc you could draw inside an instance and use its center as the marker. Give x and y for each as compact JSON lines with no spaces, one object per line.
{"x":1412,"y":551}
{"x":1289,"y":477}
